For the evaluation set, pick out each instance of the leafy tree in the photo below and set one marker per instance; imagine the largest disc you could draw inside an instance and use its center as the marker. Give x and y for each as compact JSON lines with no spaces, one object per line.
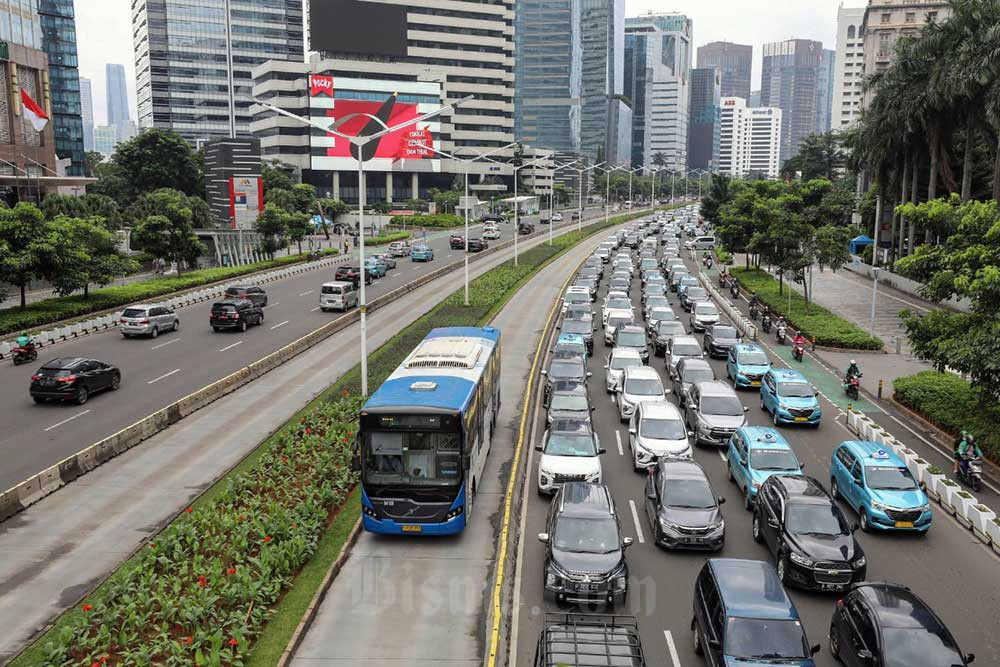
{"x":158,"y":158}
{"x":169,"y":232}
{"x":105,"y":208}
{"x":719,"y":193}
{"x":416,"y":204}
{"x":831,"y":246}
{"x":276,"y":175}
{"x":297,"y":227}
{"x":91,"y":160}
{"x":305,"y":198}
{"x":283,"y":199}
{"x":78,"y":252}
{"x":820,"y":156}
{"x":22,"y":230}
{"x":111,"y":182}
{"x":561,"y":193}
{"x":171,"y":203}
{"x":272,"y":225}
{"x":63,"y":205}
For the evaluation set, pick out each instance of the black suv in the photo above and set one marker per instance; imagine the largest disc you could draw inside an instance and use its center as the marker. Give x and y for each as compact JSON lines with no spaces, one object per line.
{"x":807,"y":534}
{"x":585,"y":559}
{"x":887,"y":624}
{"x":248,"y":292}
{"x":478,"y":245}
{"x":235,"y":314}
{"x":73,"y":379}
{"x":596,"y":640}
{"x":719,"y":339}
{"x":352,"y":274}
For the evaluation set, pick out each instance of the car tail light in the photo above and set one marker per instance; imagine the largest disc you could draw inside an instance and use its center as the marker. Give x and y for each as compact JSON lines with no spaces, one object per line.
{"x":123,"y":321}
{"x":235,"y":316}
{"x":67,"y":379}
{"x":35,"y":378}
{"x":143,"y":321}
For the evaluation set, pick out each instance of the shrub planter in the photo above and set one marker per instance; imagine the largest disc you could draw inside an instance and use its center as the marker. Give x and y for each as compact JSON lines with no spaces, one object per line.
{"x":948,"y":491}
{"x":980,"y":516}
{"x":933,"y":480}
{"x":918,"y":468}
{"x":993,"y":531}
{"x":963,"y":501}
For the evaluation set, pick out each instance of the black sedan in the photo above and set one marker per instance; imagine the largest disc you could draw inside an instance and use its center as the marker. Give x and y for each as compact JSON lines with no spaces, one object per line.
{"x":73,"y":379}
{"x":807,"y":534}
{"x":524,"y":229}
{"x":477,"y":245}
{"x":719,"y":339}
{"x":456,"y":242}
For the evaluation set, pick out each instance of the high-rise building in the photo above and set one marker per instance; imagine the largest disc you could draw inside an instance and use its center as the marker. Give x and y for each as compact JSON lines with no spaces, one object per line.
{"x":754,"y":100}
{"x":824,"y":90}
{"x":105,"y":139}
{"x":849,"y":69}
{"x":735,"y":62}
{"x":789,"y":81}
{"x":87,"y":113}
{"x":704,"y":114}
{"x":59,"y":43}
{"x":193,"y":60}
{"x":657,"y":71}
{"x":750,"y":139}
{"x":548,"y":73}
{"x":116,"y":95}
{"x":602,"y":71}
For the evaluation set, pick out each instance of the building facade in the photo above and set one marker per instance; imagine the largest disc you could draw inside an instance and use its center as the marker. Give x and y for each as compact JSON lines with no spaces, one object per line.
{"x":789,"y":81}
{"x":233,"y":189}
{"x":735,"y":61}
{"x":824,"y":91}
{"x":194,"y":58}
{"x":657,"y":80}
{"x":87,"y":113}
{"x":548,"y":73}
{"x":750,"y":139}
{"x":105,"y":139}
{"x":602,"y":72}
{"x":116,"y":99}
{"x":704,"y":114}
{"x":59,"y":43}
{"x":849,"y":70}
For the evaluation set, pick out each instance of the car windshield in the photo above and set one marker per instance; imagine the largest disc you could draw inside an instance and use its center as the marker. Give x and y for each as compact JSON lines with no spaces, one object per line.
{"x":723,"y":406}
{"x":670,"y":328}
{"x":615,"y":322}
{"x":663,"y":429}
{"x":570,"y":444}
{"x":706,"y":309}
{"x":662,"y":315}
{"x":697,"y":374}
{"x":813,"y":519}
{"x":565,"y":370}
{"x":575,"y":327}
{"x":685,"y":350}
{"x":905,"y":647}
{"x":773,"y":459}
{"x":796,"y":390}
{"x":619,"y":283}
{"x":655,"y":279}
{"x":687,"y":493}
{"x":631,"y":339}
{"x":618,"y":304}
{"x":618,"y":362}
{"x":643,"y":387}
{"x":695,"y":292}
{"x":586,"y":535}
{"x":576,"y":298}
{"x":890,"y":478}
{"x":656,"y":300}
{"x":575,"y":402}
{"x":768,"y":639}
{"x":755,"y":358}
{"x":724,"y":333}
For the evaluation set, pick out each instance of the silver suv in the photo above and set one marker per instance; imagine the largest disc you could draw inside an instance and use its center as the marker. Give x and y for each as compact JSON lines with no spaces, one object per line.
{"x":713,"y":412}
{"x":147,"y":320}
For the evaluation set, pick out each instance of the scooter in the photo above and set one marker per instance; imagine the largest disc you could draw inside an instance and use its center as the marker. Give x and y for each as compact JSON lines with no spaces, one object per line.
{"x":798,"y":351}
{"x":708,"y":262}
{"x":723,"y":279}
{"x":765,"y":323}
{"x":852,"y":386}
{"x":24,"y":355}
{"x":780,"y":334}
{"x":972,"y":476}
{"x":754,"y":311}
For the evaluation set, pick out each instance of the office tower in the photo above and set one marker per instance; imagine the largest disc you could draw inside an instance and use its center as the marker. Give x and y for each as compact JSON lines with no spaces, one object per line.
{"x":824,"y":91}
{"x":59,"y":43}
{"x":602,"y":71}
{"x":105,"y":139}
{"x":750,"y":139}
{"x":116,"y":98}
{"x":754,"y":100}
{"x":657,"y":81}
{"x":789,"y":81}
{"x":193,"y":60}
{"x":849,"y":69}
{"x":548,"y":73}
{"x":704,"y":118}
{"x":735,"y":62}
{"x":233,"y":189}
{"x":87,"y":113}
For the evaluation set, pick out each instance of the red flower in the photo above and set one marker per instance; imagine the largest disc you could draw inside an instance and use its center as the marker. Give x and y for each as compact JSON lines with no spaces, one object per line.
{"x":202,"y":581}
{"x":189,"y":641}
{"x":87,"y":607}
{"x":231,"y":571}
{"x":178,"y":627}
{"x":345,"y":393}
{"x":267,"y":538}
{"x":152,"y":544}
{"x":189,"y":510}
{"x":308,"y":431}
{"x":96,"y":664}
{"x":233,"y":642}
{"x":284,"y":459}
{"x":104,"y":658}
{"x":241,"y":517}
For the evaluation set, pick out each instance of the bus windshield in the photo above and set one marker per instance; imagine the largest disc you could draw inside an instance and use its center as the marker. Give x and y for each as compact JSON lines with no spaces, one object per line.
{"x":413,"y":458}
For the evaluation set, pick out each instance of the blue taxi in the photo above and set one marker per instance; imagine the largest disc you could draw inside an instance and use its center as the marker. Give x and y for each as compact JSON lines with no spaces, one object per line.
{"x":746,"y":365}
{"x":574,"y":343}
{"x":421,"y":252}
{"x":789,"y":397}
{"x":880,"y":488}
{"x":376,"y":267}
{"x":756,"y":453}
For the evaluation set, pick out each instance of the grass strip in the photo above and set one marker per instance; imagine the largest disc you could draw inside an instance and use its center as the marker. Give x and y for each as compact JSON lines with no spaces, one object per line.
{"x":815,"y":321}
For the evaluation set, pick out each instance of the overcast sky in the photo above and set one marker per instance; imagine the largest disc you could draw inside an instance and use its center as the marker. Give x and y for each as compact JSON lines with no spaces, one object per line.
{"x":104,"y":30}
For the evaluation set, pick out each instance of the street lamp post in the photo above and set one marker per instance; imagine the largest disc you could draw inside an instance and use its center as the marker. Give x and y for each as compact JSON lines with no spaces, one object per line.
{"x":359,"y":143}
{"x":552,"y":194}
{"x":517,"y":231}
{"x":580,"y":171}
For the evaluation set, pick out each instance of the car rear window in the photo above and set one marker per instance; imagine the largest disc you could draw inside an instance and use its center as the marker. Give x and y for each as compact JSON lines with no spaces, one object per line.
{"x":55,"y":372}
{"x":223,"y":308}
{"x":331,"y":289}
{"x":235,"y":290}
{"x":134,"y":312}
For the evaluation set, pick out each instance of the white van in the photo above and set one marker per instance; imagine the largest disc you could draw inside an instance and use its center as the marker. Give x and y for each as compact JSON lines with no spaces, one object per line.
{"x":337,"y":296}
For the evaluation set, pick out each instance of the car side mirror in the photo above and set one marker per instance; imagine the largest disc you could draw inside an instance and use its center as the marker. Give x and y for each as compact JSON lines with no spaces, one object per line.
{"x":816,"y":395}
{"x":743,"y":461}
{"x":593,"y":407}
{"x":854,"y":527}
{"x":538,"y":448}
{"x":589,"y":373}
{"x":544,"y":372}
{"x":627,"y":542}
{"x":721,"y":500}
{"x":863,"y":654}
{"x":543,"y":538}
{"x":666,"y":391}
{"x":714,"y":644}
{"x":632,"y":431}
{"x":970,"y":658}
{"x":607,"y":366}
{"x":746,"y":409}
{"x":601,"y":450}
{"x":802,"y":466}
{"x":690,"y":434}
{"x":814,"y":649}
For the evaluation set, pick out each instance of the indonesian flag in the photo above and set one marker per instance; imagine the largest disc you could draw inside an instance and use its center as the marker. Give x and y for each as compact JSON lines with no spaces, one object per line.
{"x":33,"y":112}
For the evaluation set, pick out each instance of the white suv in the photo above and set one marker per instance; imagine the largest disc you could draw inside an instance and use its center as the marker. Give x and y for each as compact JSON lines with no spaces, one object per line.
{"x":657,"y":430}
{"x":570,"y":453}
{"x":639,"y":383}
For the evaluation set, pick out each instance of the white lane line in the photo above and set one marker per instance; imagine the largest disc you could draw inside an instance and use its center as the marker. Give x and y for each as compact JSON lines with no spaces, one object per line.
{"x":673,"y":649}
{"x":157,"y":347}
{"x":67,"y":420}
{"x":722,"y":455}
{"x":308,"y":292}
{"x":635,"y":517}
{"x":416,"y":268}
{"x":229,"y":347}
{"x":165,"y":375}
{"x":313,"y":310}
{"x":448,"y":255}
{"x":272,"y":305}
{"x":279,"y":324}
{"x":618,"y":437}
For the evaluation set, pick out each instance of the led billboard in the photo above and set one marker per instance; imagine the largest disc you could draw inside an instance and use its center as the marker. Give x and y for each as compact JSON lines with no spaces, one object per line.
{"x":357,"y":26}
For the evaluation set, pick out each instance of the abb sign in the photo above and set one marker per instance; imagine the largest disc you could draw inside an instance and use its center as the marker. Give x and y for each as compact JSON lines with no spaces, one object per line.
{"x":320,"y":84}
{"x":730,"y":103}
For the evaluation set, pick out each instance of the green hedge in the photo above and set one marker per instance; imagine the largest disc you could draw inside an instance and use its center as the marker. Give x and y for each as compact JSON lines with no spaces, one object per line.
{"x":723,"y":255}
{"x":949,"y":402}
{"x":383,"y":239}
{"x":39,"y":314}
{"x":440,"y":220}
{"x":815,"y":321}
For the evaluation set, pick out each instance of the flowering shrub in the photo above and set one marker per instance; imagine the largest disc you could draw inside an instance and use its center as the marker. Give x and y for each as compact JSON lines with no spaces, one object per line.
{"x":201,"y":591}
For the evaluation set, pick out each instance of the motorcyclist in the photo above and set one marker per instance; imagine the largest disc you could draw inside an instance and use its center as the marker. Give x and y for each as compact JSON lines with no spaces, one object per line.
{"x":967,"y":449}
{"x":799,"y":341}
{"x":26,"y":341}
{"x":852,"y":371}
{"x":754,"y":299}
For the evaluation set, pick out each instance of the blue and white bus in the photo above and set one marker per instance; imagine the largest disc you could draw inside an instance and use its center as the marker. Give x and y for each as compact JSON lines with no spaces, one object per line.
{"x":426,"y":432}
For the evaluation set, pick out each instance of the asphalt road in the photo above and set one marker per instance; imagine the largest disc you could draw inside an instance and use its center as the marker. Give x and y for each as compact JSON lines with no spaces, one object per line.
{"x":158,"y":372}
{"x":948,"y":567}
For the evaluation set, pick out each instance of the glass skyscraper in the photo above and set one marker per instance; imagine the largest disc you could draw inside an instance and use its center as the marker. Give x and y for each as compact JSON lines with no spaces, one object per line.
{"x":87,"y":113}
{"x":790,"y":81}
{"x":704,"y":115}
{"x":19,"y":23}
{"x":194,"y":60}
{"x":734,"y":61}
{"x":116,"y":95}
{"x":58,"y":24}
{"x":603,"y":43}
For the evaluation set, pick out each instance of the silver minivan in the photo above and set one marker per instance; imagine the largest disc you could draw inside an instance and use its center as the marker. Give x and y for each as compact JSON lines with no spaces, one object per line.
{"x":701,"y":243}
{"x":337,"y":296}
{"x":147,"y":320}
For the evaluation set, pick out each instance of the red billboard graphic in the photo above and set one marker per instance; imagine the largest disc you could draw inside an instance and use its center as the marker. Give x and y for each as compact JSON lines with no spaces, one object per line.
{"x":399,"y":144}
{"x":320,"y":84}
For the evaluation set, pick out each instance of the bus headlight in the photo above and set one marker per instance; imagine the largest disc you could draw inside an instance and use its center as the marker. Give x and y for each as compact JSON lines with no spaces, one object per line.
{"x":453,"y":514}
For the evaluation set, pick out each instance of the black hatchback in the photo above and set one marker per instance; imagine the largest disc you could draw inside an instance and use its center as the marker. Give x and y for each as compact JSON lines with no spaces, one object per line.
{"x":880,"y":623}
{"x":478,"y":245}
{"x":235,"y":314}
{"x":73,"y":379}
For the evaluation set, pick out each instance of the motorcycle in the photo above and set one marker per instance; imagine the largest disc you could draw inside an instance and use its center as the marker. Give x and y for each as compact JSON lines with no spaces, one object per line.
{"x":780,"y":334}
{"x":734,"y":289}
{"x":798,"y":351}
{"x":754,"y":311}
{"x":708,"y":262}
{"x":723,"y":279}
{"x":25,"y":354}
{"x":852,"y":386}
{"x":765,"y":323}
{"x":972,"y":476}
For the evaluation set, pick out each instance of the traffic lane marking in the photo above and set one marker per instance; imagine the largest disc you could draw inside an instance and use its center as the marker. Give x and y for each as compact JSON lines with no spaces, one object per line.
{"x":618,"y":437}
{"x":670,"y":647}
{"x":164,"y":376}
{"x":307,"y":292}
{"x":635,"y":517}
{"x":229,"y":347}
{"x":157,"y":347}
{"x":67,"y":420}
{"x":271,"y":305}
{"x":313,"y":310}
{"x":280,"y":324}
